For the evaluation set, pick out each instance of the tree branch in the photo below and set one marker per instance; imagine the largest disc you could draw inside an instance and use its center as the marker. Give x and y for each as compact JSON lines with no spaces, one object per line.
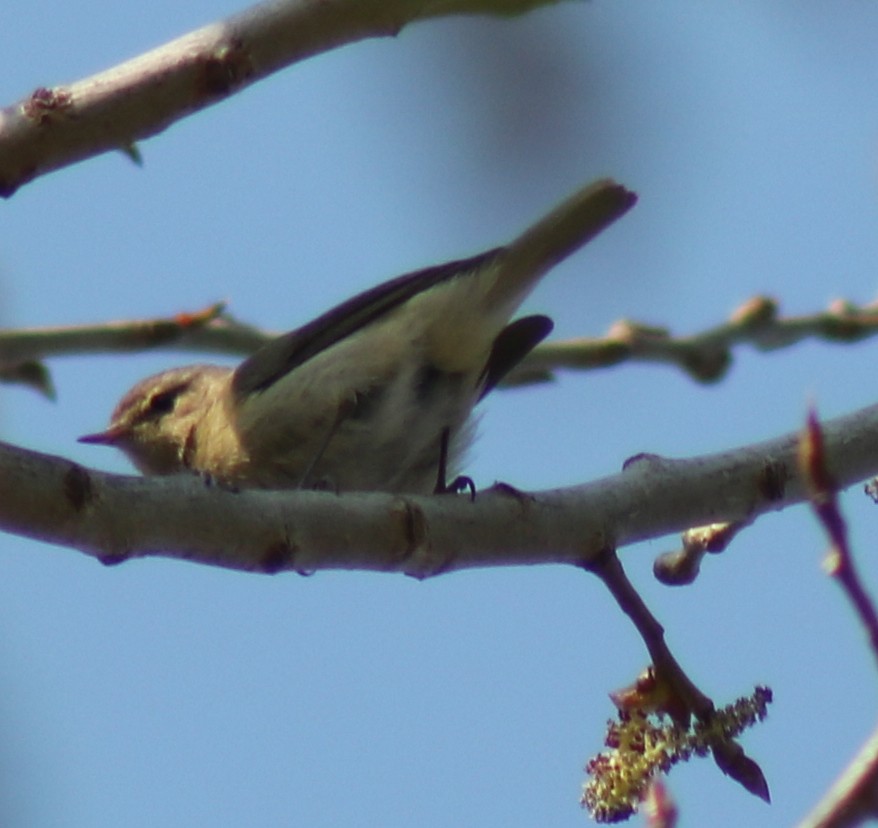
{"x":704,"y":356}
{"x":115,"y":517}
{"x":57,"y":126}
{"x":853,"y":798}
{"x":202,"y":330}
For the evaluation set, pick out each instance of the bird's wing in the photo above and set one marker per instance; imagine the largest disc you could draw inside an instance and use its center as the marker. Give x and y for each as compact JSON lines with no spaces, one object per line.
{"x":521,"y":264}
{"x":285,"y":353}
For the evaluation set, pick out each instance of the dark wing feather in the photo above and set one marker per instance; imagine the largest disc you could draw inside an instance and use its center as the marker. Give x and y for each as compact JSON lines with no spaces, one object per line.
{"x":511,"y":346}
{"x":285,"y":353}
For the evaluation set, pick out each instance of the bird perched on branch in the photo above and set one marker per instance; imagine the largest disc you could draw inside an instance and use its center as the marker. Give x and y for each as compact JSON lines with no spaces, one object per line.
{"x":375,"y":394}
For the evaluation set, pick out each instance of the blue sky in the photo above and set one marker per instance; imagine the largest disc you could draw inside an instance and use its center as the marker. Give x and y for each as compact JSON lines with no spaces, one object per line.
{"x":163,"y":693}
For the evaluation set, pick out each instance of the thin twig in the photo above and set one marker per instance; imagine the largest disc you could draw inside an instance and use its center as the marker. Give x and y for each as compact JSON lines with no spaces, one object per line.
{"x":674,"y":692}
{"x":208,"y":329}
{"x":854,"y":797}
{"x":839,"y":562}
{"x":704,"y":356}
{"x":688,"y":700}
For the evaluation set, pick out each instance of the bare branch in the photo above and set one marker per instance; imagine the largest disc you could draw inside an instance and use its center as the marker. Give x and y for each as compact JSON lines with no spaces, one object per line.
{"x":839,"y":561}
{"x":54,"y":127}
{"x":184,"y":330}
{"x":705,"y":356}
{"x":853,"y":799}
{"x":115,"y":517}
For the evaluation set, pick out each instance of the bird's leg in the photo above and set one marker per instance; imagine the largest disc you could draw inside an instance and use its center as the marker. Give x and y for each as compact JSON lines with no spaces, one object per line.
{"x":461,"y":482}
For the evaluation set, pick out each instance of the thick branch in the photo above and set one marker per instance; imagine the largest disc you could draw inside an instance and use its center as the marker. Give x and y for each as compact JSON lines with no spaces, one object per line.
{"x":114,"y":517}
{"x":52,"y":128}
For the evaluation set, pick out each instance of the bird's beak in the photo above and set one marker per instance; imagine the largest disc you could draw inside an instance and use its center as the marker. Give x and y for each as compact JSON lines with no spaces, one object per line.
{"x":111,"y":437}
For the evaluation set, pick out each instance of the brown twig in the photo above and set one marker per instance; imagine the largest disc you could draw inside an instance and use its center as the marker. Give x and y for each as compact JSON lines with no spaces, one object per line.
{"x":670,"y":689}
{"x":687,"y":699}
{"x":839,"y":562}
{"x":854,"y":797}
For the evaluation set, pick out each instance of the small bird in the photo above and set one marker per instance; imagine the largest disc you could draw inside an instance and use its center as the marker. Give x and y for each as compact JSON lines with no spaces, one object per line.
{"x":375,"y":394}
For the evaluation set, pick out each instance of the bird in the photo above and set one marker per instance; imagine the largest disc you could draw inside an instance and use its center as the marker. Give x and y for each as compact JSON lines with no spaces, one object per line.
{"x":376,"y":394}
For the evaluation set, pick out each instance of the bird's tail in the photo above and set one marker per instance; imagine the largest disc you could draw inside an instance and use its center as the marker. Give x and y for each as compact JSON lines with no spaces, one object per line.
{"x":557,"y":235}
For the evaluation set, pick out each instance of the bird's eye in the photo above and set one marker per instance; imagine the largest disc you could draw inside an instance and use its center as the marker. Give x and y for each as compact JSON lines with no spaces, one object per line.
{"x":163,"y":403}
